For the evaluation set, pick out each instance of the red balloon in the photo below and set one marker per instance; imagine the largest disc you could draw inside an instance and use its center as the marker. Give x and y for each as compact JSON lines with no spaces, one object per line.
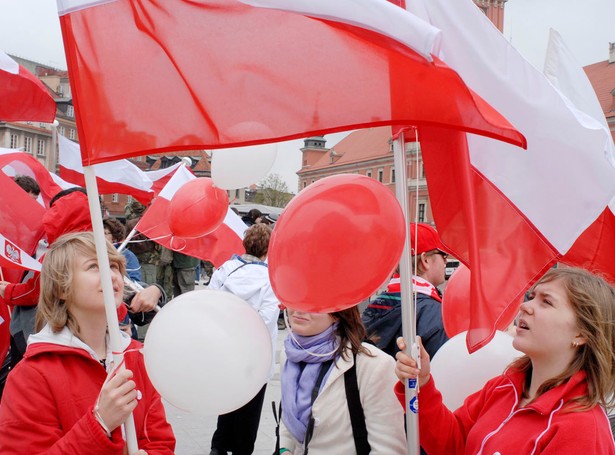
{"x":335,"y":244}
{"x":197,"y":208}
{"x":456,"y":304}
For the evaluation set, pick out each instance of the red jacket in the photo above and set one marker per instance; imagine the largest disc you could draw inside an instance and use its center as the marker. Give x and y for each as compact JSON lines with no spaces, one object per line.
{"x":490,"y":422}
{"x":48,"y":400}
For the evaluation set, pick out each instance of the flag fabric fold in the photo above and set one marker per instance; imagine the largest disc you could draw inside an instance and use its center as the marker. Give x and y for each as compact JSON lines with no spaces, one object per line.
{"x":11,"y":256}
{"x":216,"y":247}
{"x":22,"y":96}
{"x":520,"y":211}
{"x":120,"y":176}
{"x":293,"y":75}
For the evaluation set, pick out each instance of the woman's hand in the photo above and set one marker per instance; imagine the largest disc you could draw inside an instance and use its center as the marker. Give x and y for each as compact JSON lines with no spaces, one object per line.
{"x":406,"y":367}
{"x":118,"y":398}
{"x":145,"y":300}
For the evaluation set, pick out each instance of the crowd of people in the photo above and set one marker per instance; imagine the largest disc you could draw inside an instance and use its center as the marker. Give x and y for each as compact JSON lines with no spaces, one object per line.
{"x":342,"y":374}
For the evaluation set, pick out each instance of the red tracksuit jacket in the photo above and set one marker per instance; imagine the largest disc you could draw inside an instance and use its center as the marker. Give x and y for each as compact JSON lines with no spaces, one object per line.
{"x":47,"y":405}
{"x":490,"y":423}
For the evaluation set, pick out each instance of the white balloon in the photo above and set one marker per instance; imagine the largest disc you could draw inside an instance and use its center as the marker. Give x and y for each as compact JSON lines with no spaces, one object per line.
{"x":241,"y":167}
{"x":458,"y":374}
{"x":208,"y":352}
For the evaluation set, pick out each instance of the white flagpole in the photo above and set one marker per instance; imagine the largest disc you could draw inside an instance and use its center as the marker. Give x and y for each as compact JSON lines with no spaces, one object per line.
{"x":126,"y":240}
{"x":107,"y":287}
{"x":407,"y":306}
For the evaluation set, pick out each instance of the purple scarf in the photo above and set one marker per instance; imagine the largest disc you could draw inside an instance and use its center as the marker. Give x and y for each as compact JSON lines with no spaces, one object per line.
{"x":299,"y":376}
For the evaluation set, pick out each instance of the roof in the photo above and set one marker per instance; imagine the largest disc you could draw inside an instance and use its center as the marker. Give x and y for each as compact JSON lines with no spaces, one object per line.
{"x":602,"y":77}
{"x":361,"y":145}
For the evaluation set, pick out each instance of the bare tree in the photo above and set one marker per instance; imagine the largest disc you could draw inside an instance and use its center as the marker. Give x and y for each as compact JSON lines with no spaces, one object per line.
{"x":273,"y":191}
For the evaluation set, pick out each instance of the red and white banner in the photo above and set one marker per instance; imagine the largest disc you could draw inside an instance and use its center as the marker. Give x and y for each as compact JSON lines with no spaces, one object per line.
{"x":120,"y":176}
{"x":22,"y":95}
{"x":330,"y":66}
{"x":510,"y":214}
{"x":216,"y":247}
{"x":14,"y":162}
{"x":21,"y":222}
{"x":11,"y":256}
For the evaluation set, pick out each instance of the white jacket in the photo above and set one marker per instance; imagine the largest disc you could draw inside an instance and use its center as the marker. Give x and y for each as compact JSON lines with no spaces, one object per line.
{"x":384,"y":418}
{"x":251,"y":283}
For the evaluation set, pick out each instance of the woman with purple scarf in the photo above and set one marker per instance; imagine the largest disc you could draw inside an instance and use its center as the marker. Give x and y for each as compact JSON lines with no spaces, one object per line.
{"x":320,"y":349}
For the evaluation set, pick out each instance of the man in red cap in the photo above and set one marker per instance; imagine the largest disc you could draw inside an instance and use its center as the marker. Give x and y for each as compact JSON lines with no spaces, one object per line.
{"x":382,"y":316}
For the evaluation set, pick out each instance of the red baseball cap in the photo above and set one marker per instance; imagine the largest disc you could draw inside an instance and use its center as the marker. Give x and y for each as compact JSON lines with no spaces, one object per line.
{"x":428,"y":239}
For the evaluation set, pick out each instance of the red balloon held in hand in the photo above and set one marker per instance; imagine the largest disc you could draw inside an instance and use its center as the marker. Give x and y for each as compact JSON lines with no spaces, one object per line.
{"x":456,"y":308}
{"x":335,"y":244}
{"x":197,"y":209}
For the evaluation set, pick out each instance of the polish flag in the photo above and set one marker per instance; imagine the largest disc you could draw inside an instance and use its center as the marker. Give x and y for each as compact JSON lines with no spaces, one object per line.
{"x":510,"y":214}
{"x":216,"y":247}
{"x":11,"y":256}
{"x":22,"y":95}
{"x":300,"y":67}
{"x":120,"y":176}
{"x":21,"y":222}
{"x":14,"y":162}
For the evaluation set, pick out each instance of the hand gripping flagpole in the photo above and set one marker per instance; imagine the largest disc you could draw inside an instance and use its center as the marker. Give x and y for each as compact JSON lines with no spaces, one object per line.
{"x":408,"y":313}
{"x":105,"y":277}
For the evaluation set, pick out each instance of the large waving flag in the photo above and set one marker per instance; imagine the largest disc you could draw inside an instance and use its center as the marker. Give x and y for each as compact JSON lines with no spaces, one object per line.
{"x":506,"y":213}
{"x":216,"y":247}
{"x":22,"y":95}
{"x":121,"y":176}
{"x":593,"y":249}
{"x":310,"y":67}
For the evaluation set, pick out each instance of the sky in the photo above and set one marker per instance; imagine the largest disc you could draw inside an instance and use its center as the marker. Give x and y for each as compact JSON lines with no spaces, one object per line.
{"x":31,"y":29}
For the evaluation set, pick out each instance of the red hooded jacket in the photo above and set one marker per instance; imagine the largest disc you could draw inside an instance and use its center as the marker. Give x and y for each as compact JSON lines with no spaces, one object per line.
{"x":49,"y":396}
{"x":490,"y":422}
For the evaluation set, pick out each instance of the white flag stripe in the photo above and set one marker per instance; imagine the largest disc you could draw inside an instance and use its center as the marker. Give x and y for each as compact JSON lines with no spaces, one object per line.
{"x":563,"y":181}
{"x":379,"y":16}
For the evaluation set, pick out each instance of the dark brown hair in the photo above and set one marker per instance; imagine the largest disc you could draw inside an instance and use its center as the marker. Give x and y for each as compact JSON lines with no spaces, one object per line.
{"x":28,"y":184}
{"x":116,"y":228}
{"x":351,"y":331}
{"x":256,"y":240}
{"x":593,"y":302}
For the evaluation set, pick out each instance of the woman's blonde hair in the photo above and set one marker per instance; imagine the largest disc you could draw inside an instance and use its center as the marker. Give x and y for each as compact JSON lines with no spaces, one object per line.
{"x":57,"y":278}
{"x":593,"y":302}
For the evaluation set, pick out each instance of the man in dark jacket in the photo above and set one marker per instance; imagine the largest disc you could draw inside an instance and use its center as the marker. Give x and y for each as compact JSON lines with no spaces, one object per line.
{"x":382,"y":316}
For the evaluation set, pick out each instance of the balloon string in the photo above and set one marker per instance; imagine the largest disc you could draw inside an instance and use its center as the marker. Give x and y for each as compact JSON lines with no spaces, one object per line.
{"x":290,"y":333}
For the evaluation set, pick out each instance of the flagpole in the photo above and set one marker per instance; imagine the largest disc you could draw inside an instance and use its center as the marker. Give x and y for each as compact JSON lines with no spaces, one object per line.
{"x":407,"y":308}
{"x":127,"y":239}
{"x":105,"y":277}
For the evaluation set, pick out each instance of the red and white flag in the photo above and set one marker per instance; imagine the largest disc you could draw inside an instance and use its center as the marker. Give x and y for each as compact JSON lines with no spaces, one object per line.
{"x":120,"y":176}
{"x":21,"y":222}
{"x":22,"y":95}
{"x":310,"y":67}
{"x":11,"y":256}
{"x":510,"y":214}
{"x":216,"y":247}
{"x":14,"y":162}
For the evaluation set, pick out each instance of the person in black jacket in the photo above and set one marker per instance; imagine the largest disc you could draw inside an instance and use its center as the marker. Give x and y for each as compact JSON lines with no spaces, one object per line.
{"x":382,"y":317}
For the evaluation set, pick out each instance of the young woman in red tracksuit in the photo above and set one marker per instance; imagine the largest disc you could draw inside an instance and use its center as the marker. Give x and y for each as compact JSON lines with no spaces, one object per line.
{"x":550,"y":401}
{"x":59,"y":399}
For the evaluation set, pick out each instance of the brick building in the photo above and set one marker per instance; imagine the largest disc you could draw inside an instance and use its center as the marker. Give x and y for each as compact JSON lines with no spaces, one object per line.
{"x":602,"y":77}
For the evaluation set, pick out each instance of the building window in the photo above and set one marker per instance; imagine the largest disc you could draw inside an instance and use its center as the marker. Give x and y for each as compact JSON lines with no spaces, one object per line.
{"x":115,"y":198}
{"x":27,"y":143}
{"x":421,"y":213}
{"x":62,"y":131}
{"x":42,"y":125}
{"x":368,"y":173}
{"x":237,"y":193}
{"x":392,"y":175}
{"x":422,"y":171}
{"x":304,"y":183}
{"x":313,"y":180}
{"x":380,"y":175}
{"x":14,"y":141}
{"x":70,"y":111}
{"x":129,"y":199}
{"x":40,"y":147}
{"x":71,"y":134}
